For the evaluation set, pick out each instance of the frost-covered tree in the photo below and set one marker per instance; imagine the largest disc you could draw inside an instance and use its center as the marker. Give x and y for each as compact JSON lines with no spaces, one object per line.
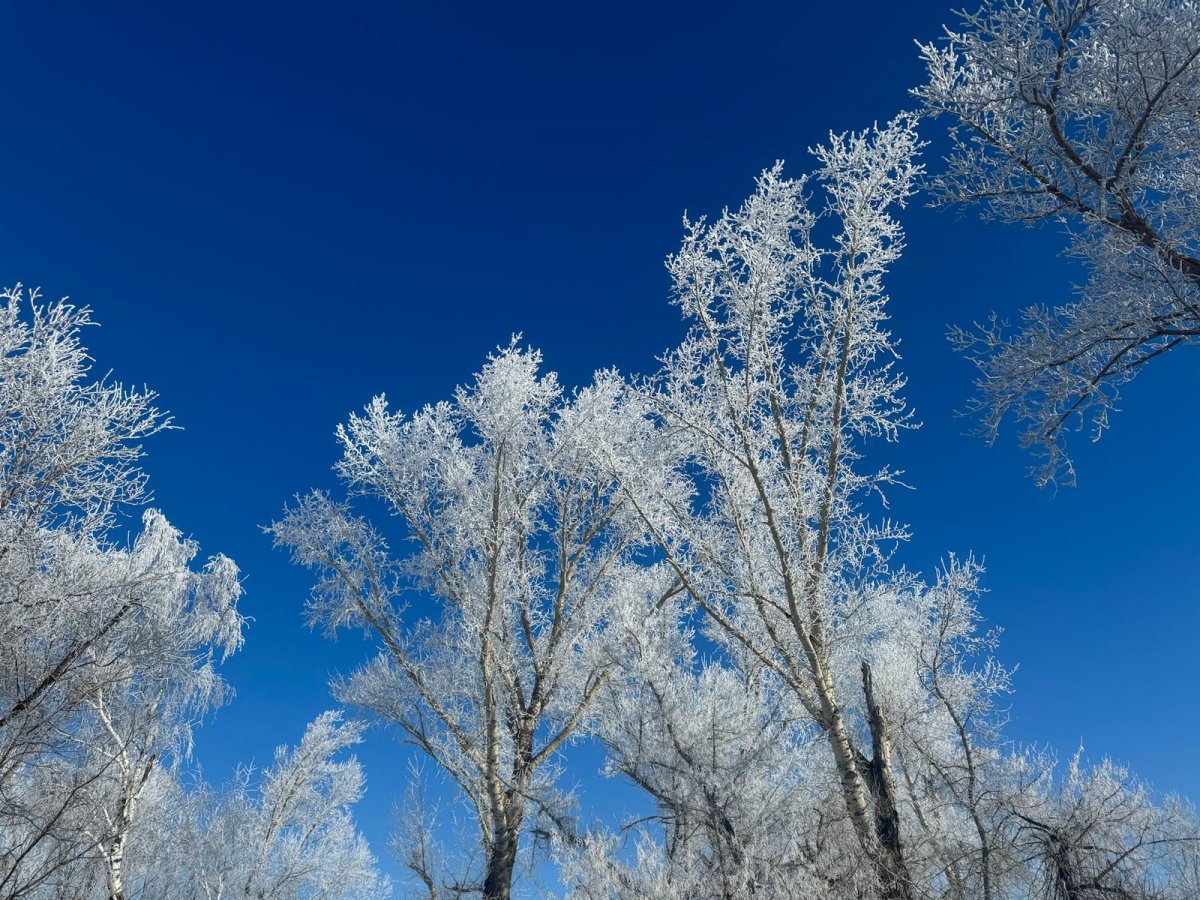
{"x":68,"y":456}
{"x":783,"y":376}
{"x":1090,"y":832}
{"x":109,"y":640}
{"x":845,"y":743}
{"x":777,"y":555}
{"x":1086,"y":112}
{"x":283,"y":834}
{"x":106,"y":645}
{"x":156,"y":684}
{"x":523,"y":544}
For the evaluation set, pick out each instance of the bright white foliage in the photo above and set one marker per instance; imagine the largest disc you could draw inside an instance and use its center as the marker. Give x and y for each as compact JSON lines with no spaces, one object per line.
{"x":1097,"y":832}
{"x":785,"y":369}
{"x":286,"y":834}
{"x":521,"y":538}
{"x":107,"y":650}
{"x":851,"y":749}
{"x":108,"y":641}
{"x":1086,"y":112}
{"x":729,"y":769}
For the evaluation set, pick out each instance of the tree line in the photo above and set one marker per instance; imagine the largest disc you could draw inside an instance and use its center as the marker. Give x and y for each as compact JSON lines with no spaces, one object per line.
{"x":692,"y":568}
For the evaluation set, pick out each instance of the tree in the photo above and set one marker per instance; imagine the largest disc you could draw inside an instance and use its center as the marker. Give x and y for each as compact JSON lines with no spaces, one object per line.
{"x":157,"y":683}
{"x":1086,"y":112}
{"x":285,"y":835}
{"x":777,"y":557}
{"x":1090,"y":832}
{"x":524,"y":544}
{"x":68,"y":453}
{"x":106,"y":649}
{"x":782,"y":375}
{"x":109,"y":642}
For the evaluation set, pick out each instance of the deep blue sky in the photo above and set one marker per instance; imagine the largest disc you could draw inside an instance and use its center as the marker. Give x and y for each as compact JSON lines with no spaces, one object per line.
{"x":277,"y":212}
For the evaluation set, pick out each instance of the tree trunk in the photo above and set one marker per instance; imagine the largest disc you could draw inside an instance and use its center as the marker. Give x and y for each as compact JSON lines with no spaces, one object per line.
{"x":506,"y":825}
{"x":116,"y":867}
{"x":870,"y":803}
{"x":501,"y":861}
{"x":890,"y":865}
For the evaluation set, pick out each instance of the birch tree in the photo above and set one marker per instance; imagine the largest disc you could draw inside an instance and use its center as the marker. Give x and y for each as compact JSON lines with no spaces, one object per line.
{"x":68,"y":457}
{"x":522,"y":545}
{"x":1087,"y":113}
{"x":110,"y":638}
{"x":98,"y":638}
{"x":778,"y":557}
{"x":158,"y":683}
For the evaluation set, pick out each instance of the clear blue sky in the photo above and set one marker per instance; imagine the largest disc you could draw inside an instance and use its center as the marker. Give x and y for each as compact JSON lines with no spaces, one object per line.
{"x":277,"y":212}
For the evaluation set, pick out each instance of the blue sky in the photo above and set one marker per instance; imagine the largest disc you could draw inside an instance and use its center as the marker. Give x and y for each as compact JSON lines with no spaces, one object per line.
{"x":277,"y":212}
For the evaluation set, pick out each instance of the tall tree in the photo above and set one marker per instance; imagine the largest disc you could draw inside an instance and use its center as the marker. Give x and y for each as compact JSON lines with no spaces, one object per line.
{"x":1085,"y":112}
{"x":109,"y":642}
{"x":782,"y":374}
{"x":523,"y":543}
{"x":97,"y":638}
